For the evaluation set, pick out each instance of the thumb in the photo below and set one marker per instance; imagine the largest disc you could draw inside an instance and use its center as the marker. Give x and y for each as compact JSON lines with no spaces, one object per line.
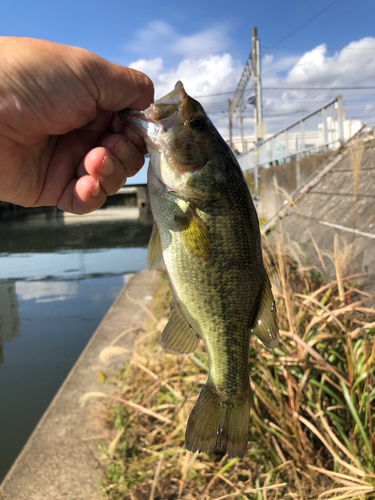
{"x":116,"y":87}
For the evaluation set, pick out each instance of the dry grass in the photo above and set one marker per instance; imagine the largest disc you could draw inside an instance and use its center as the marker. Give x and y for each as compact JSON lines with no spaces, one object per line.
{"x":312,"y":416}
{"x":341,"y":253}
{"x":356,"y":153}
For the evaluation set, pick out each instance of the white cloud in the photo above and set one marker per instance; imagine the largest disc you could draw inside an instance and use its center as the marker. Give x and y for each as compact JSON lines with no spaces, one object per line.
{"x":219,"y":73}
{"x":271,"y":66}
{"x":353,"y":65}
{"x":212,"y":39}
{"x":206,"y":75}
{"x":160,"y":37}
{"x":152,"y":67}
{"x":157,"y":32}
{"x":201,"y":64}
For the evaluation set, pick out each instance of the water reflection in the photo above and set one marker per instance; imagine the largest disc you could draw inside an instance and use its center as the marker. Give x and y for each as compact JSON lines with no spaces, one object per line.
{"x":59,"y":274}
{"x":46,"y":291}
{"x":9,"y":317}
{"x":69,"y":265}
{"x":58,"y":248}
{"x":106,"y":228}
{"x":57,"y":320}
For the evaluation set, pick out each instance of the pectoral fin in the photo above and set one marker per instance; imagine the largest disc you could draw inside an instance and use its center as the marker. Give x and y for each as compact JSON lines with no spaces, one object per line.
{"x":265,"y":325}
{"x":195,"y":234}
{"x":154,"y":254}
{"x":178,"y":336}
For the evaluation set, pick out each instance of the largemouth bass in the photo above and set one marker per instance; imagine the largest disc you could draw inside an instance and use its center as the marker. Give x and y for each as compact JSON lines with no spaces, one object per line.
{"x":206,"y":229}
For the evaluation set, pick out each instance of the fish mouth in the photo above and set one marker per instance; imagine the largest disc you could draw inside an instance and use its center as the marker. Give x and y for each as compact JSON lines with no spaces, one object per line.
{"x":166,"y":110}
{"x":159,"y":118}
{"x":155,"y":125}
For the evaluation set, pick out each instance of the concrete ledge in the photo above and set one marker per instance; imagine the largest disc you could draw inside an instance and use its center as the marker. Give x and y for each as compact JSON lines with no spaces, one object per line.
{"x":61,"y":460}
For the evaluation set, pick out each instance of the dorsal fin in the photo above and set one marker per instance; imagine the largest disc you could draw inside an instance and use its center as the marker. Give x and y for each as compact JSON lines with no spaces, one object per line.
{"x":178,"y":336}
{"x":265,"y":324}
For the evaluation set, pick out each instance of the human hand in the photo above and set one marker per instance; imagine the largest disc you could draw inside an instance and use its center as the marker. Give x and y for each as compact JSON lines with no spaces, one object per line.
{"x":61,"y":141}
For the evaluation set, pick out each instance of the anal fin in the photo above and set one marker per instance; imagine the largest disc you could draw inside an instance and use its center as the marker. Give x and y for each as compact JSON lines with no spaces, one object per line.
{"x":178,"y":336}
{"x":265,"y":325}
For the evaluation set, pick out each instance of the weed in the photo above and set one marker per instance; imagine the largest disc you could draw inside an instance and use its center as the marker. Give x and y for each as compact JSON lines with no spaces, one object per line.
{"x":313,"y":399}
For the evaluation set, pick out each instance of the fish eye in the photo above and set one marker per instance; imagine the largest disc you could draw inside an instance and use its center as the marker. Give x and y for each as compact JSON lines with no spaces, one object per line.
{"x":197,"y":123}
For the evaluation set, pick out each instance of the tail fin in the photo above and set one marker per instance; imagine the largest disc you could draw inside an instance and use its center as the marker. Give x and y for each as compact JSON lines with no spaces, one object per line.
{"x":219,"y":423}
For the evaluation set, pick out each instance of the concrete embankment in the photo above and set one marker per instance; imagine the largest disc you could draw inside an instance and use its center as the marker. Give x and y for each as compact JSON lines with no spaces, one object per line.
{"x":61,"y":458}
{"x":288,"y":177}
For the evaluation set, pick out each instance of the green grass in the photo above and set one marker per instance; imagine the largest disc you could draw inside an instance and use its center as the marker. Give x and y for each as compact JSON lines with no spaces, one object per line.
{"x":312,"y":417}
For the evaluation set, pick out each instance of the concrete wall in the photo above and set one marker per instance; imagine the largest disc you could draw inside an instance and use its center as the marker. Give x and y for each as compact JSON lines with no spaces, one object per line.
{"x":288,"y":177}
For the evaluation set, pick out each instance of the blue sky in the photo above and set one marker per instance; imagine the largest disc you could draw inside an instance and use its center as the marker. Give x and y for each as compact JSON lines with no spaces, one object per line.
{"x":107,"y":27}
{"x":205,"y":43}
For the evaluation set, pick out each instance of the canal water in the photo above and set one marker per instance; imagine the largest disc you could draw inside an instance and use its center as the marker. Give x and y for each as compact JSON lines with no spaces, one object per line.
{"x":59,"y":274}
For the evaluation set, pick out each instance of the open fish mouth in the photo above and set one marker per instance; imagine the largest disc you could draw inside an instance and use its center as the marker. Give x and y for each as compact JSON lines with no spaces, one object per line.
{"x":160,"y":117}
{"x":154,"y":123}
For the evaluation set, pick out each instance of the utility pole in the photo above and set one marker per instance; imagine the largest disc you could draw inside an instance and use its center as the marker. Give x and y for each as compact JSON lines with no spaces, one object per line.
{"x":256,"y":118}
{"x":259,"y":126}
{"x":251,"y":69}
{"x":258,"y":112}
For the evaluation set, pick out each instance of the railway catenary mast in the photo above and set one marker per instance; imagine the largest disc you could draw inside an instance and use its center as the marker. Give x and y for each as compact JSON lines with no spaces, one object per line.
{"x":237,"y":103}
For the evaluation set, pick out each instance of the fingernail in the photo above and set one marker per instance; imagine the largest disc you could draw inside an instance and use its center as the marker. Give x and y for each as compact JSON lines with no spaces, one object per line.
{"x":123,"y":151}
{"x":95,"y":192}
{"x":106,"y":168}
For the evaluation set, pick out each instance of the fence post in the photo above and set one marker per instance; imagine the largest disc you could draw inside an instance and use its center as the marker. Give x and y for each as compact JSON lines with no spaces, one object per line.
{"x":340,"y":119}
{"x":273,"y":152}
{"x":325,"y":129}
{"x":286,"y":148}
{"x":298,"y":171}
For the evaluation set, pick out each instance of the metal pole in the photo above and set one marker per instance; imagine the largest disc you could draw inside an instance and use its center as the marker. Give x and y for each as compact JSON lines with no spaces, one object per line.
{"x":259,"y":84}
{"x":230,"y":123}
{"x":286,"y":145}
{"x":340,"y":119}
{"x":255,"y":75}
{"x":242,"y":138}
{"x":298,"y":172}
{"x":256,"y":109}
{"x":302,"y":135}
{"x":325,"y":129}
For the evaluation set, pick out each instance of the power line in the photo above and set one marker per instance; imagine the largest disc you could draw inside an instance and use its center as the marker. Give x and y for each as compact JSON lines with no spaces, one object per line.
{"x":318,"y":88}
{"x":328,"y":48}
{"x":303,"y":25}
{"x":282,"y":89}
